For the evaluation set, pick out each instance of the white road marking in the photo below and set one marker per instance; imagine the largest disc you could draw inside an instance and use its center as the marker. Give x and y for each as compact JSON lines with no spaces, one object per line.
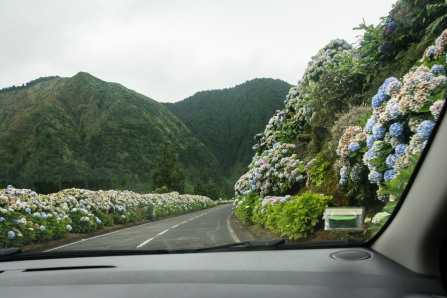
{"x":142,"y":244}
{"x":82,"y":240}
{"x":145,"y":242}
{"x":232,"y":233}
{"x":161,"y":233}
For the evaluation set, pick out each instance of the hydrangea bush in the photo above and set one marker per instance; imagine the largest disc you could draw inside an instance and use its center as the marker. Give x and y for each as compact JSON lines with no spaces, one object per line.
{"x":299,"y":96}
{"x":27,"y":217}
{"x":403,"y":118}
{"x":371,"y":153}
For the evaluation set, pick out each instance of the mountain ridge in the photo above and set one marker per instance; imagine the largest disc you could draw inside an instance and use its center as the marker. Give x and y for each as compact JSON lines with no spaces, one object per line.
{"x":226,"y":120}
{"x":71,"y":124}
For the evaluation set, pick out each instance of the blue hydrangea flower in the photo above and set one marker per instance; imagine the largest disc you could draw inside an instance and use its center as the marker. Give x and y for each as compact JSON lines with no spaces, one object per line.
{"x":18,"y":191}
{"x":16,"y":221}
{"x":98,"y":221}
{"x":44,"y":215}
{"x":437,"y":69}
{"x":431,"y":51}
{"x":283,"y":200}
{"x":396,"y":130}
{"x":370,"y":139}
{"x":389,"y":175}
{"x":424,"y":129}
{"x":287,"y":96}
{"x":42,"y":228}
{"x":285,"y":101}
{"x":328,"y":51}
{"x":379,"y":131}
{"x":344,"y":172}
{"x":375,"y":176}
{"x":391,"y":160}
{"x":382,"y":89}
{"x":295,"y":93}
{"x":300,"y":177}
{"x":342,"y":181}
{"x":400,"y":149}
{"x":262,"y":210}
{"x":353,"y":147}
{"x":378,"y":99}
{"x":11,"y":234}
{"x":27,"y":210}
{"x":36,"y":214}
{"x":395,"y":111}
{"x":369,"y":124}
{"x":391,"y":26}
{"x":74,"y":210}
{"x":2,"y":219}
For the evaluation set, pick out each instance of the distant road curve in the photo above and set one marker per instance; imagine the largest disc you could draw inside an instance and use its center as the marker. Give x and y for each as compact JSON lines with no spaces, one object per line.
{"x":203,"y":228}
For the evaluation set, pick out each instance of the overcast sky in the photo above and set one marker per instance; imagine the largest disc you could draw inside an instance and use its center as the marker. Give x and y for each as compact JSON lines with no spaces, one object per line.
{"x":168,"y":50}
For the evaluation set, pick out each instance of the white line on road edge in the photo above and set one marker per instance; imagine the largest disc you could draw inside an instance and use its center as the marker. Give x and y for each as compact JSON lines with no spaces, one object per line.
{"x":232,"y":234}
{"x":183,"y":222}
{"x":88,"y":239}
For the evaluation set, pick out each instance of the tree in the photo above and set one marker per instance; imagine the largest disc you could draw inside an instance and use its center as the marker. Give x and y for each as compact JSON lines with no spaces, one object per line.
{"x":212,"y":192}
{"x":209,"y":190}
{"x":168,"y":172}
{"x":199,"y":188}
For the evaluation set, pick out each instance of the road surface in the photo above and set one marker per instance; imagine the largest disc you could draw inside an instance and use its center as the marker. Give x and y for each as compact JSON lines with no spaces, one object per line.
{"x":205,"y":228}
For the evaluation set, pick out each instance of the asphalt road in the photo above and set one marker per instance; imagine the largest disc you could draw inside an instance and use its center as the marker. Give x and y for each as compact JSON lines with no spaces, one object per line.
{"x":205,"y":228}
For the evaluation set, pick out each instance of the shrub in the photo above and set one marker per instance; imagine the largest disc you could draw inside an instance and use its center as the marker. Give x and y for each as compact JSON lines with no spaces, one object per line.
{"x":345,"y":120}
{"x":294,"y":217}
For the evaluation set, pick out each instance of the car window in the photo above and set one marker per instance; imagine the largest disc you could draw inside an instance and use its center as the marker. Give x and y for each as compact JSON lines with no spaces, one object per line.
{"x":178,"y":126}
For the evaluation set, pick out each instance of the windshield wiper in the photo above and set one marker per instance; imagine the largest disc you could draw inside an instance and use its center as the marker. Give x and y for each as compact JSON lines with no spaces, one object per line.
{"x":8,"y":253}
{"x":12,"y":254}
{"x":279,"y":243}
{"x":260,"y":244}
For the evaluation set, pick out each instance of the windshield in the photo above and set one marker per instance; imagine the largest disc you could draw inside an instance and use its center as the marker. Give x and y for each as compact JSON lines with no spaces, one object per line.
{"x":178,"y":126}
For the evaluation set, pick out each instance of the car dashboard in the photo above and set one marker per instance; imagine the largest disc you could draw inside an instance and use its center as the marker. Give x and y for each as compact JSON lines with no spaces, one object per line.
{"x":333,"y":272}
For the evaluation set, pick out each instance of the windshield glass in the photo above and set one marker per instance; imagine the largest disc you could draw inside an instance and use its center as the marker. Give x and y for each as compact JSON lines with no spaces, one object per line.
{"x":184,"y":125}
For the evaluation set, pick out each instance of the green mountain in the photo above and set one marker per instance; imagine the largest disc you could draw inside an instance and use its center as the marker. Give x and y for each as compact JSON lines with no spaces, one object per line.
{"x":226,"y":120}
{"x":84,"y":132}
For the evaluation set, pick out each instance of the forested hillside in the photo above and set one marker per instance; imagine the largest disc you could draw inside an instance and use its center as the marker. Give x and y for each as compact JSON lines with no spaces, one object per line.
{"x":352,"y":130}
{"x":226,"y":120}
{"x":83,"y":132}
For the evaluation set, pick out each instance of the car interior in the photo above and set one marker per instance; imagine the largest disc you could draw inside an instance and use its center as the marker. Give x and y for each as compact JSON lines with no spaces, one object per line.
{"x":407,"y":258}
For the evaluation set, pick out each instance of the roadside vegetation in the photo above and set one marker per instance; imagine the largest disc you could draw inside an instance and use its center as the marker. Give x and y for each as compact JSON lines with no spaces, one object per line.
{"x":353,"y":129}
{"x":27,"y":217}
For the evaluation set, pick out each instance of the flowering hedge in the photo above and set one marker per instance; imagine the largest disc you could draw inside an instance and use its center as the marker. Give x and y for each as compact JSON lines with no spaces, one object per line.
{"x":291,"y":216}
{"x":404,"y":115}
{"x":27,"y":217}
{"x":276,"y":170}
{"x":374,"y":156}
